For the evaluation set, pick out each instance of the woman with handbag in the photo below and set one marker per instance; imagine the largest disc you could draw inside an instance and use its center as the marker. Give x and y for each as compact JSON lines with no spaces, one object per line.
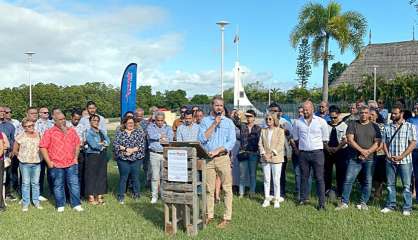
{"x":96,"y":162}
{"x":271,"y":147}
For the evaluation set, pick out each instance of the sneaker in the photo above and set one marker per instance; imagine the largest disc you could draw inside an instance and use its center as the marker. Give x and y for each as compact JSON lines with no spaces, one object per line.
{"x":386,"y":210}
{"x":39,"y":207}
{"x":43,"y":199}
{"x":280,"y":199}
{"x":154,"y":200}
{"x":341,"y":206}
{"x":78,"y":208}
{"x":406,"y":213}
{"x":266,"y":203}
{"x":25,"y":209}
{"x":60,"y":209}
{"x":276,"y":204}
{"x":11,"y":198}
{"x":362,"y":206}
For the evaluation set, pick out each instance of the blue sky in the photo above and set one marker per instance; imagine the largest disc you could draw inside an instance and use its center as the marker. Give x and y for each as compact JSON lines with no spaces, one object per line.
{"x":186,"y":39}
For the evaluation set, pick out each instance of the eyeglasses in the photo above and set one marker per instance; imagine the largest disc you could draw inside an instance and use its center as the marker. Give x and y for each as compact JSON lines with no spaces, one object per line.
{"x":29,"y":126}
{"x":269,"y":119}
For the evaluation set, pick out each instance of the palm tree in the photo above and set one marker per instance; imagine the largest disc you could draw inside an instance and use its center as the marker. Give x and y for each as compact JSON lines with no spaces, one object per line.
{"x":322,"y":23}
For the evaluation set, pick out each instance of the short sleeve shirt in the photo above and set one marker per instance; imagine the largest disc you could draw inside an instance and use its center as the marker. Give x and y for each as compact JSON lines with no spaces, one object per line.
{"x":364,"y":135}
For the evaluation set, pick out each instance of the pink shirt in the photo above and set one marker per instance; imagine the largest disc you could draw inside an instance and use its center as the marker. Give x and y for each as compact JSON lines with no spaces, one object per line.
{"x":61,"y":147}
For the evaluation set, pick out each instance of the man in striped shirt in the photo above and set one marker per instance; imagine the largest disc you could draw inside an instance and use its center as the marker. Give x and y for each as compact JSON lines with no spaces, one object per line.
{"x":399,"y":141}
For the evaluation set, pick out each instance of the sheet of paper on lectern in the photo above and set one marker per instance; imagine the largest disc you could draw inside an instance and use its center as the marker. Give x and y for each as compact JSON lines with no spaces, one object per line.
{"x":177,"y":165}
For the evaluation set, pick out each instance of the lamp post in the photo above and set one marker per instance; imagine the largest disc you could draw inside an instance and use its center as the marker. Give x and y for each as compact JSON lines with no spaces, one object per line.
{"x":29,"y":55}
{"x":222,"y":25}
{"x":374,"y":82}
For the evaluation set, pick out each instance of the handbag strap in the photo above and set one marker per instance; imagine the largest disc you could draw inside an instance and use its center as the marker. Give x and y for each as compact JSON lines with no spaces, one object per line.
{"x":394,"y":134}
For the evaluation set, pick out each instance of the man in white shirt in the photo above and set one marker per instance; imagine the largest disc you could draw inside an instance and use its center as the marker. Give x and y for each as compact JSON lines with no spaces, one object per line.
{"x":310,"y":133}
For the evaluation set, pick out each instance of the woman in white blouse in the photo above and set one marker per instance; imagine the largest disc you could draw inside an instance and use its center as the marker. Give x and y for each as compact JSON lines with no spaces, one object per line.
{"x":271,"y":146}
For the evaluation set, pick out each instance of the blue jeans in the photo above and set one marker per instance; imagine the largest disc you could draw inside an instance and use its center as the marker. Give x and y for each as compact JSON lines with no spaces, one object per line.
{"x":68,"y":175}
{"x":30,"y":178}
{"x":354,"y":167}
{"x":415,"y":167}
{"x":127,"y":168}
{"x":405,"y":172}
{"x":247,"y":169}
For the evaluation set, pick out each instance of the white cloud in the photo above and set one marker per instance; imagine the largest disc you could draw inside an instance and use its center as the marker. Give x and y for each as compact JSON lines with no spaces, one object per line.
{"x":74,"y":47}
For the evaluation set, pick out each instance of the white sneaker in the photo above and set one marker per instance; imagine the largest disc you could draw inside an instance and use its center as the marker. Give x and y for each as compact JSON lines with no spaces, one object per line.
{"x":60,"y":209}
{"x":39,"y":207}
{"x":154,"y":200}
{"x":280,"y":199}
{"x":43,"y":199}
{"x":406,"y":213}
{"x":277,"y":204}
{"x":386,"y":210}
{"x":25,"y":209}
{"x":78,"y":208}
{"x":362,"y":206}
{"x":266,"y":203}
{"x":341,"y":206}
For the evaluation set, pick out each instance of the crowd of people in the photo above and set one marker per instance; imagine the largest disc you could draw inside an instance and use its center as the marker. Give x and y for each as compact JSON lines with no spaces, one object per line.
{"x":366,"y":146}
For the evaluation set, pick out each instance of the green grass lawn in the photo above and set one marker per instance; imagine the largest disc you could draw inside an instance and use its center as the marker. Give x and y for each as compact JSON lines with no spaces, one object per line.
{"x":141,"y":220}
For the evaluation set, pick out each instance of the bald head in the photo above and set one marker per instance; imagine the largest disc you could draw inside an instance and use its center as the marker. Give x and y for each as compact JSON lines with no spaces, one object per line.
{"x":308,"y":109}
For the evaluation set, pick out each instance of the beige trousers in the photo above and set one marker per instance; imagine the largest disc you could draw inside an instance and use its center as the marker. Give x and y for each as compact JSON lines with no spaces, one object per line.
{"x":222,"y":167}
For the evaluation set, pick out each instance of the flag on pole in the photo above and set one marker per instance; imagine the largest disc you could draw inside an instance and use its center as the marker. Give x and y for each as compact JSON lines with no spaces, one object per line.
{"x":128,"y":90}
{"x":236,"y":39}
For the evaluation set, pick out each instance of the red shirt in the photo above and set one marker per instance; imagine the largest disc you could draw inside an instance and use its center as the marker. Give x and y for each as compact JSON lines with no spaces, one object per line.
{"x":61,"y":147}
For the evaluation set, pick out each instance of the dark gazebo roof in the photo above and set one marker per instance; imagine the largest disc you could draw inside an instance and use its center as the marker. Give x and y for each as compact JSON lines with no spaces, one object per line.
{"x":392,"y":59}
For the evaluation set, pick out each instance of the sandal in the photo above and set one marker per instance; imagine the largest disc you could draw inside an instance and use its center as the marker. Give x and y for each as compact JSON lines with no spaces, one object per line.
{"x":100,"y":200}
{"x":92,"y":201}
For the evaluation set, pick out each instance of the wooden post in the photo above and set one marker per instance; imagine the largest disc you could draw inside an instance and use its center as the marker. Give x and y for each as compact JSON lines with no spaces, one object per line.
{"x":174,"y":218}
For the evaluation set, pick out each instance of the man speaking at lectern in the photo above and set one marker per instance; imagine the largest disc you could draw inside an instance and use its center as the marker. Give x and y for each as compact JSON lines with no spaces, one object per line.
{"x":217,"y":135}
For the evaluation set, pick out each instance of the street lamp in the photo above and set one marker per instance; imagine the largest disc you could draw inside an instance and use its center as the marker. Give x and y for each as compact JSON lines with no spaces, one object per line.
{"x":374,"y":83}
{"x":222,"y":25}
{"x":29,"y":55}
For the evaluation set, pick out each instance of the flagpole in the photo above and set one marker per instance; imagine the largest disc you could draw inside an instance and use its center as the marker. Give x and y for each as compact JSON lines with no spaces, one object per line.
{"x":237,"y":42}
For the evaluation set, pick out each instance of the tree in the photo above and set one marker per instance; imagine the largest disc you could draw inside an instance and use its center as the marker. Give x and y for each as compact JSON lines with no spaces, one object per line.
{"x":303,"y":68}
{"x":336,"y":70}
{"x":175,"y":99}
{"x":200,"y":99}
{"x":323,"y":23}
